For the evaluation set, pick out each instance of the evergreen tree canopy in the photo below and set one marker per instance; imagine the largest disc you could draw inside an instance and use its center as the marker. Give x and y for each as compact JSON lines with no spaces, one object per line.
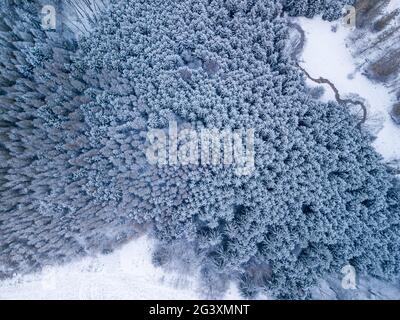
{"x":74,"y":174}
{"x":329,"y":9}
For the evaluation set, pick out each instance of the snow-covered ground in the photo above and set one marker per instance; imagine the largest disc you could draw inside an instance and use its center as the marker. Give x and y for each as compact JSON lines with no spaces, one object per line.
{"x":393,"y":4}
{"x":327,"y":55}
{"x":128,"y":272}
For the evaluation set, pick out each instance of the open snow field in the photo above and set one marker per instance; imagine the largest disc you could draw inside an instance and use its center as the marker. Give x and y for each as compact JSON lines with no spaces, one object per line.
{"x":326,"y":54}
{"x":127,"y":273}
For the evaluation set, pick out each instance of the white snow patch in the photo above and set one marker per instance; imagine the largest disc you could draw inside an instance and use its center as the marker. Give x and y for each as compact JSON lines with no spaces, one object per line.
{"x":79,"y":15}
{"x":326,"y":55}
{"x":393,"y":5}
{"x":127,"y":273}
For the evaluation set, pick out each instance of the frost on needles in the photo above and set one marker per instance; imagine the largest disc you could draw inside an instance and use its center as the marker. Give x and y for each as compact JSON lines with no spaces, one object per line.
{"x":75,"y":178}
{"x":329,"y":9}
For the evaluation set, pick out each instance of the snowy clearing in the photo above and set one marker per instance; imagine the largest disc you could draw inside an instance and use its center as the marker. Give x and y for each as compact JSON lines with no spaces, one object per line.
{"x":327,"y":55}
{"x":127,"y":273}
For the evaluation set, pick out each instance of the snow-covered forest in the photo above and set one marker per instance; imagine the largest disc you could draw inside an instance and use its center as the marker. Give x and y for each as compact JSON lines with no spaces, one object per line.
{"x":81,"y":99}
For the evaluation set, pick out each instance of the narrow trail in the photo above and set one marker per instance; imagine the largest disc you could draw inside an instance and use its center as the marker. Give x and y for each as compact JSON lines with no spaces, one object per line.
{"x":321,"y":80}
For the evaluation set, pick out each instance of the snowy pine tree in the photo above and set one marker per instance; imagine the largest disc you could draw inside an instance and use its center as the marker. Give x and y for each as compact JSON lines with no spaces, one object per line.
{"x":74,"y":173}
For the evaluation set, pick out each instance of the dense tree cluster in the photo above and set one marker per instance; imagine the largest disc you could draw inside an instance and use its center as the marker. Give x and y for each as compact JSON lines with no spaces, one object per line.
{"x":75,"y":178}
{"x":329,"y":9}
{"x":44,"y":215}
